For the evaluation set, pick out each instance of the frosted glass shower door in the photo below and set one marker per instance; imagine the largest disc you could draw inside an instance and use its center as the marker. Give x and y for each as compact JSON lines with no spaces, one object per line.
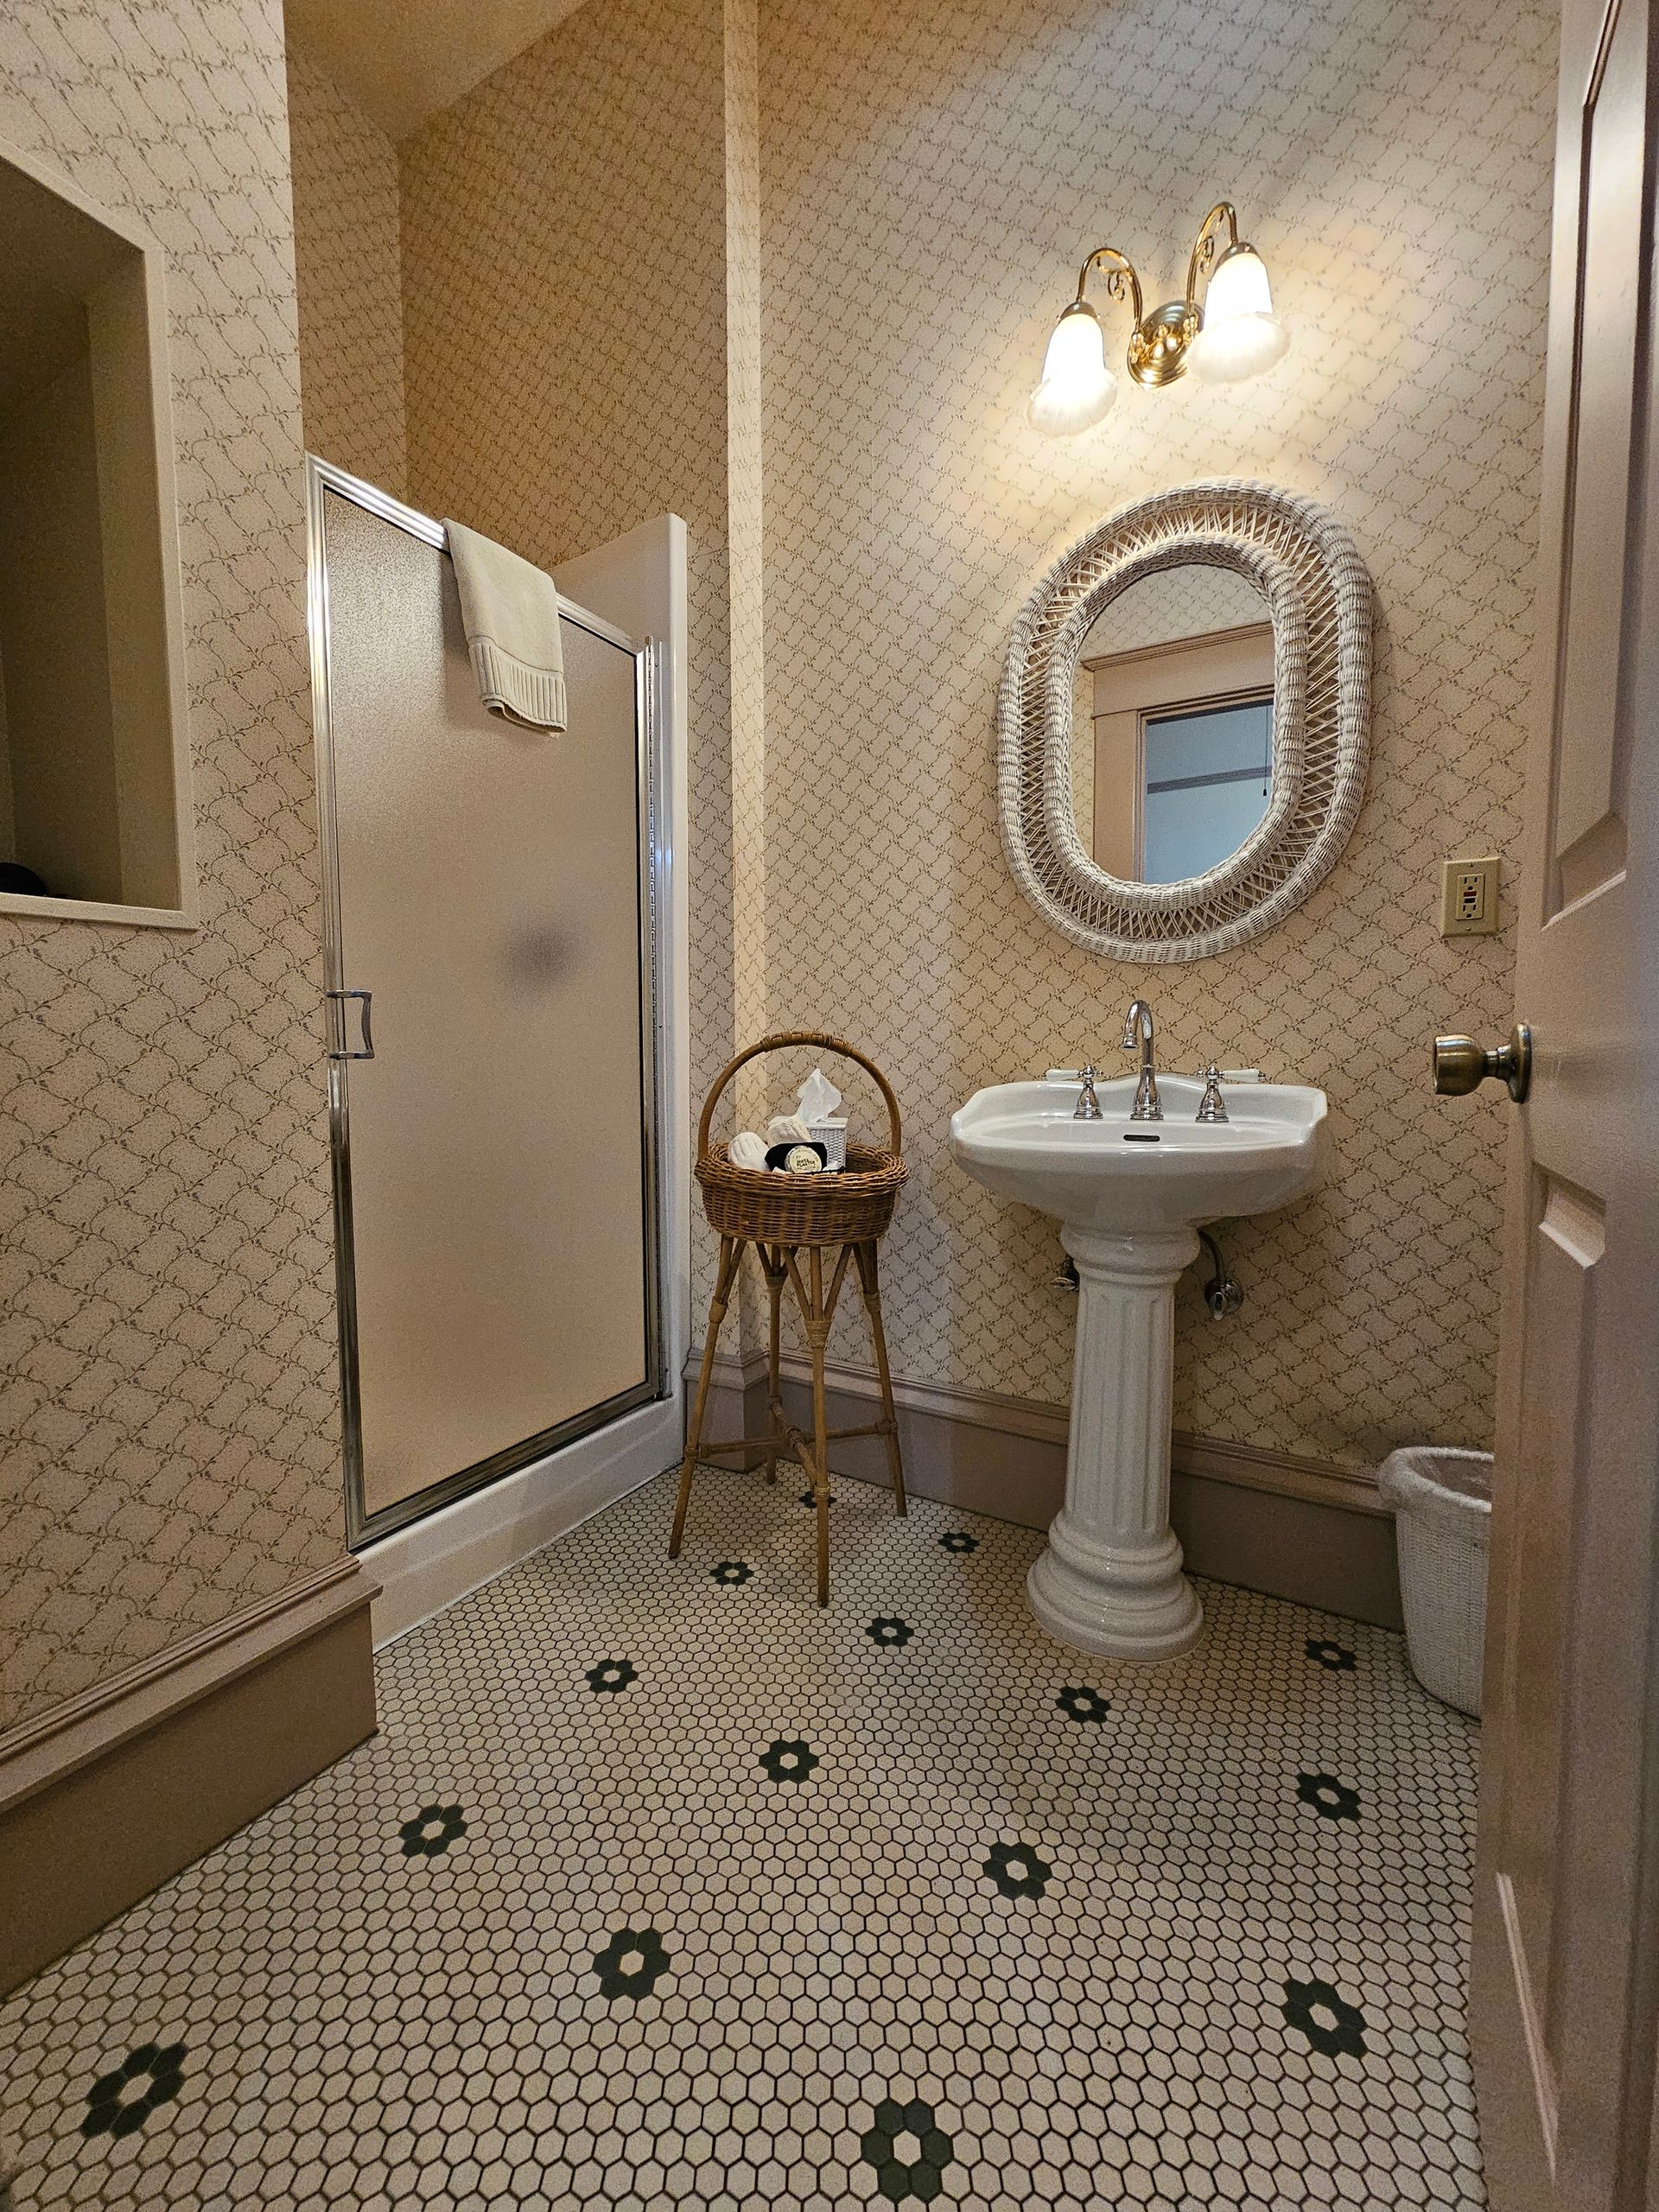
{"x":494,"y":1158}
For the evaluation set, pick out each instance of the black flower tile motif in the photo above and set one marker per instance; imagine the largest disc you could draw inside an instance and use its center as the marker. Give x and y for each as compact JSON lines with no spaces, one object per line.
{"x":1017,"y":1871}
{"x":1205,"y":1766}
{"x":631,"y":1963}
{"x":119,"y":2103}
{"x":810,"y":1498}
{"x":432,"y":1831}
{"x":1335,"y":1656}
{"x":611,"y":1674}
{"x":889,"y":1633}
{"x":731,"y":1572}
{"x":1336,"y":1799}
{"x":788,"y":1760}
{"x":1081,"y":1704}
{"x":958,"y":1540}
{"x":909,"y":2150}
{"x":1329,"y":2022}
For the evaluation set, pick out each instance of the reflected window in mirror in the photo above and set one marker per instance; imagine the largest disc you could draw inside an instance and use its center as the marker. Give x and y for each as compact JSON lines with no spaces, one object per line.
{"x":1206,"y":775}
{"x":1173,"y":748}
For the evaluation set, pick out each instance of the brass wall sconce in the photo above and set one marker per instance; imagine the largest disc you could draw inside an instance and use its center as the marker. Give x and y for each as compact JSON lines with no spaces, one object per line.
{"x":1231,"y":333}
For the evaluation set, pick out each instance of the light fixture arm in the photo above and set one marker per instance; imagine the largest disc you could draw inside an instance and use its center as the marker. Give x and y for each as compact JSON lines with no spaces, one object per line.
{"x":1121,"y":282}
{"x":1230,"y":333}
{"x":1203,"y":259}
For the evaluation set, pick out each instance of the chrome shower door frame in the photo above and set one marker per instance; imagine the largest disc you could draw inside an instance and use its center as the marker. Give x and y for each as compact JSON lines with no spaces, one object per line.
{"x":362,"y":1526}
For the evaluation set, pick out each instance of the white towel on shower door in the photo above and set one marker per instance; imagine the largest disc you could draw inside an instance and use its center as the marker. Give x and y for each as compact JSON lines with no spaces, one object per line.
{"x":510,"y":611}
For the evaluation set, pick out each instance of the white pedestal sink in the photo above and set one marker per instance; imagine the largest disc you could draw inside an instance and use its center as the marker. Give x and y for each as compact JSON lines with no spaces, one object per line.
{"x":1129,"y":1197}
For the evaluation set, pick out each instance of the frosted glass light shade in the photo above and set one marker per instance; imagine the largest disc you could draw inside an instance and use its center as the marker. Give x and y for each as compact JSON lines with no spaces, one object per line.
{"x":1240,"y":334}
{"x":1078,"y":389}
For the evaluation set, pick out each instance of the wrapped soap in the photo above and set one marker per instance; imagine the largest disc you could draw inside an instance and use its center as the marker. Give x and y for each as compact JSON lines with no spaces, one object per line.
{"x":787,"y":1129}
{"x":789,"y":1157}
{"x":748,"y":1150}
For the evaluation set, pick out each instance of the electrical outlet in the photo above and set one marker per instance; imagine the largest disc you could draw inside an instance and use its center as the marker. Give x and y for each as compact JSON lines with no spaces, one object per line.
{"x":1469,"y":897}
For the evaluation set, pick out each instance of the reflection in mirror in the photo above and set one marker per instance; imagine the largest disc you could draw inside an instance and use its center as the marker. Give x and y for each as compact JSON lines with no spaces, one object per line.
{"x":1172,"y":751}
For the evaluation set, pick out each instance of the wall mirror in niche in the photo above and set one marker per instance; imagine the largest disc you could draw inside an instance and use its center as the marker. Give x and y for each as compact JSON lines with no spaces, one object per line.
{"x":95,"y":819}
{"x":1182,"y":721}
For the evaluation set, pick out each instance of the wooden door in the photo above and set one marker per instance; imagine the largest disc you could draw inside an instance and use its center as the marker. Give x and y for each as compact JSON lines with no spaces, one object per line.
{"x":1567,"y":1934}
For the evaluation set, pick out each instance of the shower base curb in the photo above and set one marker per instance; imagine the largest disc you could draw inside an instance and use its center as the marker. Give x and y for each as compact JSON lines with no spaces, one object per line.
{"x":434,"y":1561}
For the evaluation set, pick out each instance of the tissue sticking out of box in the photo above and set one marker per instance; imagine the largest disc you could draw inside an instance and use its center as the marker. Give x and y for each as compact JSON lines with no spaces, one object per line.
{"x":818,"y":1101}
{"x":819,"y":1098}
{"x":787,"y":1129}
{"x":748,"y":1150}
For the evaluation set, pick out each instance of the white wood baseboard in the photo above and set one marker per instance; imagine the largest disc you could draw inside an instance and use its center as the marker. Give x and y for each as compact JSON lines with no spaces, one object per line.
{"x":105,"y":1796}
{"x":1301,"y":1529}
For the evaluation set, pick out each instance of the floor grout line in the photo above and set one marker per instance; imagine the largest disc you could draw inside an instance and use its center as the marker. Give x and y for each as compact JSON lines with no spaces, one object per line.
{"x":952,"y":1914}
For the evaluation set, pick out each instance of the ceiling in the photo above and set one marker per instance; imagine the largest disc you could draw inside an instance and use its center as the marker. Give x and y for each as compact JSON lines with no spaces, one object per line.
{"x":403,"y":60}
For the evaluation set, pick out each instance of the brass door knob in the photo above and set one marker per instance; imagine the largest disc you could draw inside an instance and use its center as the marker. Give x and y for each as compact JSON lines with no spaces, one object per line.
{"x":1461,"y":1065}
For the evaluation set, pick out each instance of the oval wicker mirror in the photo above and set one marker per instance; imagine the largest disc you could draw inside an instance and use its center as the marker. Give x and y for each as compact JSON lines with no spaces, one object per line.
{"x":1293,"y":560}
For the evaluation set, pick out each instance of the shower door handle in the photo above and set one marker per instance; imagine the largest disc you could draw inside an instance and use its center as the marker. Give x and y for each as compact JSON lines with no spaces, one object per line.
{"x":337,"y":1004}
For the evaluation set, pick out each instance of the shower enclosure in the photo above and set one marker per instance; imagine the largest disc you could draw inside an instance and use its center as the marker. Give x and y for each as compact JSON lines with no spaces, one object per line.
{"x":490,"y":899}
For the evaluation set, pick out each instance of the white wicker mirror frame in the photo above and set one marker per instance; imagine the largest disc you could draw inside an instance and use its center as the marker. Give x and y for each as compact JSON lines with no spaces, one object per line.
{"x":1319,"y":597}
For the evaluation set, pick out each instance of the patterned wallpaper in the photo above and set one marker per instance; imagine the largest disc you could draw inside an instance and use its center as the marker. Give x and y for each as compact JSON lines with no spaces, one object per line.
{"x":746,"y":559}
{"x":931,"y":175}
{"x":875,"y":214}
{"x":637,"y":250}
{"x":1184,"y":602}
{"x":745,"y":514}
{"x":167,"y":1349}
{"x":347,"y":269}
{"x":565,"y":272}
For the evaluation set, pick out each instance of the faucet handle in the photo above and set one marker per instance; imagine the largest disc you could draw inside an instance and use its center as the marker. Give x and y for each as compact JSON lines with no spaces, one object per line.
{"x":1088,"y":1106}
{"x":1212,"y":1107}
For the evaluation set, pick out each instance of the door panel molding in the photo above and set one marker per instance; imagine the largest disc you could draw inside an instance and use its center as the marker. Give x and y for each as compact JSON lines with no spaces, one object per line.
{"x":1587,"y":838}
{"x":1543,"y":2073}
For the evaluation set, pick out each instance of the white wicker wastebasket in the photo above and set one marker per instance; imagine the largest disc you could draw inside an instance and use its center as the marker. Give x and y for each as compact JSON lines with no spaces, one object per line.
{"x":1442,"y":1502}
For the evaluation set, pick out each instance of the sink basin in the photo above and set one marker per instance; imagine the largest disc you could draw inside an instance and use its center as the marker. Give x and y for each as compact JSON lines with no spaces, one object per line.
{"x":1129,"y":1197}
{"x":1019,"y":1141}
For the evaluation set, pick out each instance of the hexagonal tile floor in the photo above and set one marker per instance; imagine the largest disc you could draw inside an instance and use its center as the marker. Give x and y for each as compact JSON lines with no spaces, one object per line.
{"x":659,"y":1888}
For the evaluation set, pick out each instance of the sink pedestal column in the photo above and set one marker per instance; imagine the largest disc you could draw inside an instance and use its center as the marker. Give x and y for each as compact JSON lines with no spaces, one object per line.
{"x":1110,"y":1580}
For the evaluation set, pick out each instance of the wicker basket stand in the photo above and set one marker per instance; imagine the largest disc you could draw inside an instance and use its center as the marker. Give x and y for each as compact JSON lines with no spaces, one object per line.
{"x":796,"y":1223}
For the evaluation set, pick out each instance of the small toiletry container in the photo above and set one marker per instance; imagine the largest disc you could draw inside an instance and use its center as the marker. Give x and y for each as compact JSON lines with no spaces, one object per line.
{"x":832,"y":1136}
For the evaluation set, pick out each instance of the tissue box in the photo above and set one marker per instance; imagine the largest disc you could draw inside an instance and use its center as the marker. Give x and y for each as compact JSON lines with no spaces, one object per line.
{"x":832,"y":1136}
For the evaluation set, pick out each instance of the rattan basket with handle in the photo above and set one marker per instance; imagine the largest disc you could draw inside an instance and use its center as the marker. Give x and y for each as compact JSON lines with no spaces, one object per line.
{"x":848,"y":1208}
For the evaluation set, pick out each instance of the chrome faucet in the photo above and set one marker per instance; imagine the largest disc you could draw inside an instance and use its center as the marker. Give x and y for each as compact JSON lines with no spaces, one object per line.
{"x":1212,"y":1107}
{"x":1137,"y":1031}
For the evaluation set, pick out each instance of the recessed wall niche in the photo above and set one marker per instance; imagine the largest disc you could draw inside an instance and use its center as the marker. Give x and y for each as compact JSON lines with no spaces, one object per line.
{"x":95,"y":821}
